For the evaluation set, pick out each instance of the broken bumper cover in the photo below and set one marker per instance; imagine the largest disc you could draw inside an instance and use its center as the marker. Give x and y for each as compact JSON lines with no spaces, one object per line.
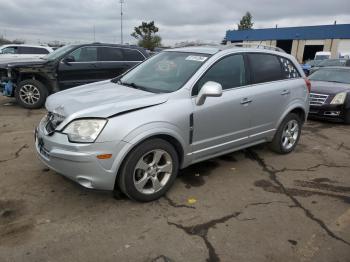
{"x":78,"y":162}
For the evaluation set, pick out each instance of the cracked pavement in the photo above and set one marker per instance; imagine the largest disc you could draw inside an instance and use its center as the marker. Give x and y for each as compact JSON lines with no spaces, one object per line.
{"x":251,"y":205}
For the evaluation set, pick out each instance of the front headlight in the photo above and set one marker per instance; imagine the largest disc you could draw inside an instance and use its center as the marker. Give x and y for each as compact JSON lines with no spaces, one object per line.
{"x":339,"y":99}
{"x":84,"y":130}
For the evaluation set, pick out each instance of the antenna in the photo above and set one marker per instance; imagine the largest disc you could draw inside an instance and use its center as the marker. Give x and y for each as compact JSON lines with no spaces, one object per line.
{"x":121,"y":20}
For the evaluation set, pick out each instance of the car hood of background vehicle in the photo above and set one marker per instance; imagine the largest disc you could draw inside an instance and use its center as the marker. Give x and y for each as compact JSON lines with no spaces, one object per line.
{"x":324,"y":87}
{"x":101,"y":99}
{"x":21,"y":61}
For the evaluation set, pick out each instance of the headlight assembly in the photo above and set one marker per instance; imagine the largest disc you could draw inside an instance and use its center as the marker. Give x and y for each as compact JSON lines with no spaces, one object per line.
{"x":84,"y":130}
{"x":339,"y":99}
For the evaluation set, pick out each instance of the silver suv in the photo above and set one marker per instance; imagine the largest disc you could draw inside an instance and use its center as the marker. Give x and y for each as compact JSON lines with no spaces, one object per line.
{"x":177,"y":108}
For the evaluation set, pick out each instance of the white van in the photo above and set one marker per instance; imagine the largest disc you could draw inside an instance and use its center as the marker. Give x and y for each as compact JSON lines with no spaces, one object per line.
{"x":322,"y":55}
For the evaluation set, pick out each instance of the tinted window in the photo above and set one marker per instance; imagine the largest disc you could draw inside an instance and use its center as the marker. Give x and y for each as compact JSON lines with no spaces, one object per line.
{"x":32,"y":50}
{"x":10,"y":50}
{"x":265,"y":68}
{"x":289,"y":70}
{"x":229,"y":72}
{"x":132,"y":55}
{"x":85,"y":54}
{"x":110,"y":54}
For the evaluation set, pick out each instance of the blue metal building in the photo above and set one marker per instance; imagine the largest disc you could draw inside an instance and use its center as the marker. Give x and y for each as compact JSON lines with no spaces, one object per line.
{"x":303,"y":42}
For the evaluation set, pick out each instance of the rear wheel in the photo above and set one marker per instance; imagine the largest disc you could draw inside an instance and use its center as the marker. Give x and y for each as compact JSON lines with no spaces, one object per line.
{"x":287,"y":135}
{"x":31,"y":94}
{"x":149,"y":170}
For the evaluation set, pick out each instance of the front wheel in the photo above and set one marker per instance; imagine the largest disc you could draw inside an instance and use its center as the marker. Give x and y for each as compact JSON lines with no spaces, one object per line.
{"x":149,"y":170}
{"x":287,"y":135}
{"x":31,"y":94}
{"x":347,"y":117}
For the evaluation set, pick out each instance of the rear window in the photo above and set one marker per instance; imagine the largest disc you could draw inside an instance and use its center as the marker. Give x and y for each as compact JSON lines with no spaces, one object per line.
{"x":265,"y":68}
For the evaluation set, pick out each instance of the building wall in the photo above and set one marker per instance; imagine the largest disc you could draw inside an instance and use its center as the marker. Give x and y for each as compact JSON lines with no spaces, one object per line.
{"x":333,"y":45}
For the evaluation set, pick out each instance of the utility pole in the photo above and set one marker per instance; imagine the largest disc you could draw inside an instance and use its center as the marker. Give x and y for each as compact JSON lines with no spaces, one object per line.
{"x":121,"y":20}
{"x":94,"y":34}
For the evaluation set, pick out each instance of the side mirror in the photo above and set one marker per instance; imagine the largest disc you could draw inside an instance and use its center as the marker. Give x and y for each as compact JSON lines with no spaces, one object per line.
{"x":209,"y":89}
{"x":68,"y":59}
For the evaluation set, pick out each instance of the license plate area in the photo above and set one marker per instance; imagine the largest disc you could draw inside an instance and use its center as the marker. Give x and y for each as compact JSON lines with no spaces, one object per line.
{"x":41,"y":145}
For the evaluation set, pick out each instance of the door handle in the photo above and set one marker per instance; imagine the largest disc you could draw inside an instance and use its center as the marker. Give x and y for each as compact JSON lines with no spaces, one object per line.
{"x":246,"y":100}
{"x":285,"y":92}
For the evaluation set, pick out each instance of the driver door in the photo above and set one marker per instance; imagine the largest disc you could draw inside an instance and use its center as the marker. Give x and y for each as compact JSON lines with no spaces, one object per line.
{"x":221,"y":123}
{"x":82,"y":70}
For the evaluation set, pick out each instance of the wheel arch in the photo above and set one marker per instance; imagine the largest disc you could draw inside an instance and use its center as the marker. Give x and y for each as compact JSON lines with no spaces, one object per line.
{"x":167,"y":136}
{"x":297,"y":109}
{"x":38,"y":77}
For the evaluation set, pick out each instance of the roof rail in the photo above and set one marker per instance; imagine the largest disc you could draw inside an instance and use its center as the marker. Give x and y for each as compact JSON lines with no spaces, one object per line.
{"x":252,"y":45}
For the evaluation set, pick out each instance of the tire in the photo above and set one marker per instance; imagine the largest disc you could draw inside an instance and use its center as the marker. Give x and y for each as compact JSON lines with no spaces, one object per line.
{"x":143,"y":167}
{"x":285,"y":139}
{"x":347,"y":117}
{"x":31,"y":94}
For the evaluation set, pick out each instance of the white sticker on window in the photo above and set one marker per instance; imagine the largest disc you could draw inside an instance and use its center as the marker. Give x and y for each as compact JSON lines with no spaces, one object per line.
{"x":196,"y":58}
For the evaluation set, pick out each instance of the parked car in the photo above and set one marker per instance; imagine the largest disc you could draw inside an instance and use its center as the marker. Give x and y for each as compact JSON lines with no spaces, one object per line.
{"x":310,"y":64}
{"x":330,"y":62}
{"x":14,"y":51}
{"x":179,"y":107}
{"x":30,"y":82}
{"x":330,"y":94}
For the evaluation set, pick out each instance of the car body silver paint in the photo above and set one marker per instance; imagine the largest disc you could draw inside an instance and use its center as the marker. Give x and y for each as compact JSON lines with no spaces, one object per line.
{"x":221,"y":124}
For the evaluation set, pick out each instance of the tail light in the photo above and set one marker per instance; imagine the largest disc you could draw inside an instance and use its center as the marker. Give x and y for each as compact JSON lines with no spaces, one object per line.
{"x":308,"y":84}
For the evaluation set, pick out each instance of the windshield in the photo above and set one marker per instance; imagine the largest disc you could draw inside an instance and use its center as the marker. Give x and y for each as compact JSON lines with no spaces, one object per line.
{"x":321,"y":57}
{"x":332,"y":75}
{"x":58,"y":52}
{"x":165,"y":72}
{"x":332,"y":62}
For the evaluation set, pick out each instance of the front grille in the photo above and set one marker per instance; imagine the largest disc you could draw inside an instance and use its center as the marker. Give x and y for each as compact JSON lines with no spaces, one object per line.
{"x":317,"y":99}
{"x":52,"y":122}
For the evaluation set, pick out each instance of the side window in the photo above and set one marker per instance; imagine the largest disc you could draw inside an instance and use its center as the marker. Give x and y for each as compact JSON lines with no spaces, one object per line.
{"x":133,"y":55}
{"x":41,"y":51}
{"x":110,"y":54}
{"x":265,"y":68}
{"x":289,"y":70}
{"x":85,"y":54}
{"x":229,"y":72}
{"x":32,"y":50}
{"x":10,"y":50}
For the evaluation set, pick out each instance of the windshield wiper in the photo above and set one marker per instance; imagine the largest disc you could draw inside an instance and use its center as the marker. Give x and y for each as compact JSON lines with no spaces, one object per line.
{"x":133,"y":85}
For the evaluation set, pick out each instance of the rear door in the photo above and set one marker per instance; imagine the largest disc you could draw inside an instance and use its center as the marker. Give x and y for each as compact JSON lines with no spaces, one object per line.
{"x":271,"y":91}
{"x":221,"y":123}
{"x":82,"y":71}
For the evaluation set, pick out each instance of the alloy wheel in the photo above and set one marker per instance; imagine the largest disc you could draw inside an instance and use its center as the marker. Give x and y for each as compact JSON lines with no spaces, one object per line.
{"x":153,"y":171}
{"x":290,"y":134}
{"x":29,"y":94}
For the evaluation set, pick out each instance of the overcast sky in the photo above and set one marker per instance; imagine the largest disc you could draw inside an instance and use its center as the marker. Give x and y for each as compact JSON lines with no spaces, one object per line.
{"x":178,"y":20}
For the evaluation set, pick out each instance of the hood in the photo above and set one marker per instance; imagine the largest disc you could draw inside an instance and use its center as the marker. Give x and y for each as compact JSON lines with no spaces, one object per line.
{"x":329,"y":88}
{"x":101,"y":99}
{"x":20,"y":60}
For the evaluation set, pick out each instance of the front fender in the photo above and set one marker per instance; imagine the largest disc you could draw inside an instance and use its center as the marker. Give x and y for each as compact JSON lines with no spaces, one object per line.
{"x":147,"y":131}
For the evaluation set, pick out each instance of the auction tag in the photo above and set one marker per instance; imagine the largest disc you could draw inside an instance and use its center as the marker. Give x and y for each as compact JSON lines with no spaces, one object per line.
{"x":196,"y":58}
